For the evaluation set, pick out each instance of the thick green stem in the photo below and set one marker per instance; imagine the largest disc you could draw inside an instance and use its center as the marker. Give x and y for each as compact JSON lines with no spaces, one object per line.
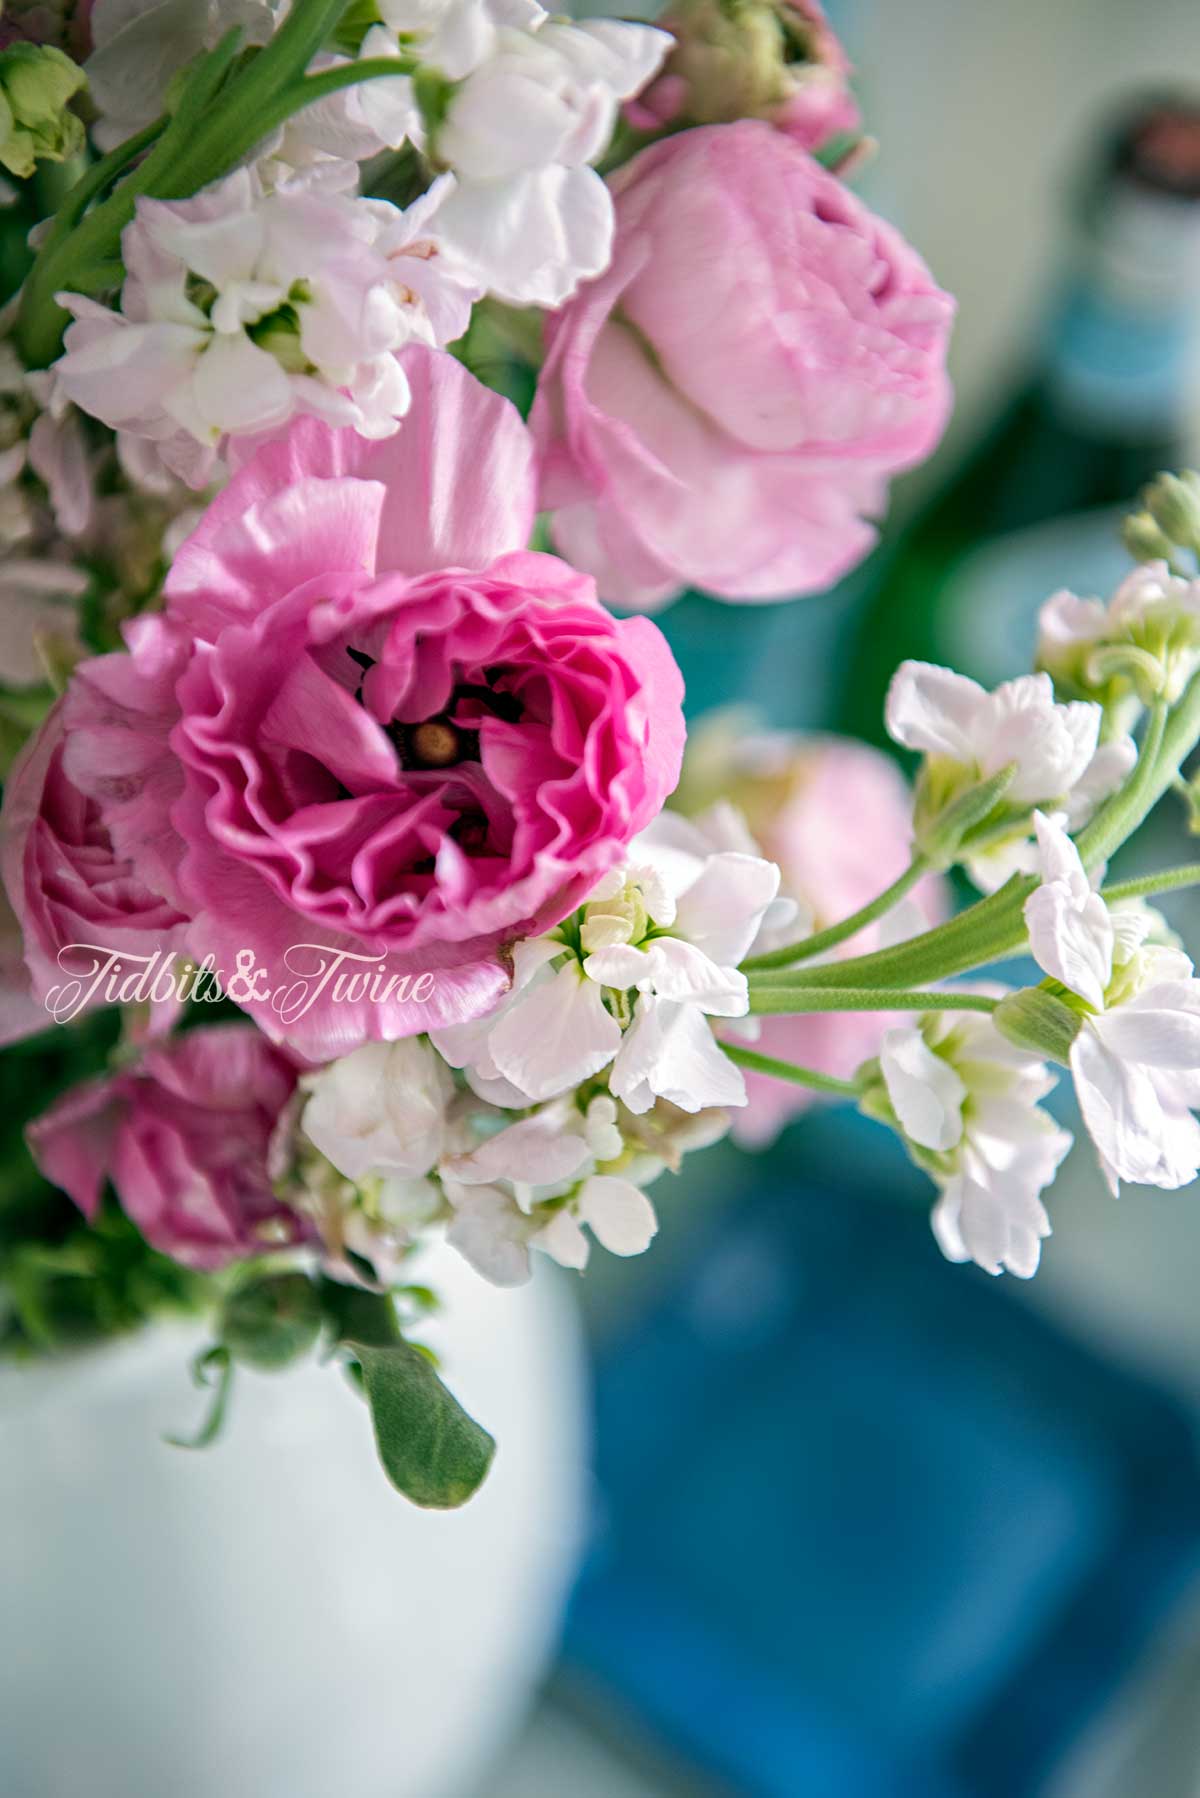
{"x":823,"y":940}
{"x":790,"y":1070}
{"x":776,"y":996}
{"x":1170,"y":880}
{"x":1120,"y":816}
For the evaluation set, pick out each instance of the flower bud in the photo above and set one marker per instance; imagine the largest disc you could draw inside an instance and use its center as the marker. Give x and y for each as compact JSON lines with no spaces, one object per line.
{"x":752,"y":59}
{"x":1173,"y":501}
{"x":272,"y":1320}
{"x":1036,"y":1020}
{"x":36,"y":83}
{"x":1144,"y":539}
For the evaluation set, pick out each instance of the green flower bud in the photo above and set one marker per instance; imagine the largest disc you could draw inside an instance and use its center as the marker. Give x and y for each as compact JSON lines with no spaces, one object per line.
{"x":1144,"y":539}
{"x":270,"y":1321}
{"x":1034,"y":1019}
{"x":950,"y":816}
{"x":36,"y":82}
{"x":1173,"y":501}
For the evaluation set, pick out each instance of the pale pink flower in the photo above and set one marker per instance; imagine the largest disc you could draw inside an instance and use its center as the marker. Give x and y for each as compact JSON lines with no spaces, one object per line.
{"x":724,"y":407}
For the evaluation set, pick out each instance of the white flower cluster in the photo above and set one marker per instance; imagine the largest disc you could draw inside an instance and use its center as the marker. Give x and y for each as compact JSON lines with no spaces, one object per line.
{"x":604,"y":1052}
{"x":1052,"y":754}
{"x":279,"y":289}
{"x":244,"y":306}
{"x":1135,"y":1059}
{"x":966,"y":1104}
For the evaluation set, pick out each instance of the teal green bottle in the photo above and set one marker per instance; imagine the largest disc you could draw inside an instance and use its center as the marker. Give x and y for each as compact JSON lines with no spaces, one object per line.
{"x":1108,"y":399}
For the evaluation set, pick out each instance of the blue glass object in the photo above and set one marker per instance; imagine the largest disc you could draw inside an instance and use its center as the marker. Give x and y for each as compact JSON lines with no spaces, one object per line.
{"x":871,"y":1529}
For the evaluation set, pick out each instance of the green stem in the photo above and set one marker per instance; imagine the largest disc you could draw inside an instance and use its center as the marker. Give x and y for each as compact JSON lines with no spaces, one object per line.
{"x":792,"y":999}
{"x":790,"y":1070}
{"x":1168,"y":881}
{"x":1120,"y":816}
{"x":839,"y":933}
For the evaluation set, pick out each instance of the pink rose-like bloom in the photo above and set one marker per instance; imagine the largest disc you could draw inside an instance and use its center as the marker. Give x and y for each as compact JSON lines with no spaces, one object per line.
{"x":837,"y":817}
{"x":370,"y":721}
{"x":725,"y":406}
{"x":67,"y":881}
{"x":185,"y":1136}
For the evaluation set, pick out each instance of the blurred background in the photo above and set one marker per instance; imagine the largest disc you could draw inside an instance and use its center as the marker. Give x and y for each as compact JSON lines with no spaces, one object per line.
{"x":862,"y":1523}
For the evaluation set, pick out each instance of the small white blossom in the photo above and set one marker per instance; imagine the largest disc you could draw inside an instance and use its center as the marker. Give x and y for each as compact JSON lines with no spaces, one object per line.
{"x":1136,"y":1059}
{"x":520,"y":131}
{"x":970,"y":736}
{"x":955,"y":721}
{"x":966,"y":1102}
{"x":241,"y":308}
{"x":630,"y":983}
{"x":380,"y":1110}
{"x":1144,"y":644}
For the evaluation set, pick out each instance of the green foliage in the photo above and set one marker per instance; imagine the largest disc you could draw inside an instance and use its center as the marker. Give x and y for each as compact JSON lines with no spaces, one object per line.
{"x":431,"y":1450}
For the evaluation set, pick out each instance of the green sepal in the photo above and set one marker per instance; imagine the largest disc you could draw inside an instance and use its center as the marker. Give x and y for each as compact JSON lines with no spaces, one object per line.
{"x":1036,"y":1020}
{"x":944,"y":830}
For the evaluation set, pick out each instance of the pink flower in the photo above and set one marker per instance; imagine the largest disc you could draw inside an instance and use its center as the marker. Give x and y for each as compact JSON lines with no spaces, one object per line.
{"x":68,"y":881}
{"x":371,"y":722}
{"x":797,"y":795}
{"x":724,"y":407}
{"x":185,"y":1137}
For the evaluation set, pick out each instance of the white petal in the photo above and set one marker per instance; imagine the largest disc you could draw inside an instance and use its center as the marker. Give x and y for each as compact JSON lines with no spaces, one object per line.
{"x":669,"y":1052}
{"x":1072,"y":943}
{"x":488,"y":1231}
{"x":618,"y":1213}
{"x":934,"y":710}
{"x":537,"y":1151}
{"x":722,"y":910}
{"x":563,"y":1240}
{"x":926,"y":1092}
{"x":556,"y":1035}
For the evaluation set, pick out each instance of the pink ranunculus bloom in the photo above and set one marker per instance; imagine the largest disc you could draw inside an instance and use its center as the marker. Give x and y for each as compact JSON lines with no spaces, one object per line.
{"x":837,"y":818}
{"x":186,"y":1137}
{"x":372,"y":722}
{"x":724,"y":407}
{"x":74,"y":891}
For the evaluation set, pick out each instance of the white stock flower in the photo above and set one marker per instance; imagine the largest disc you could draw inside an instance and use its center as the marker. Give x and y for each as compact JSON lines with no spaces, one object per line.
{"x":520,"y":131}
{"x":380,"y":1110}
{"x":630,"y":982}
{"x":966,"y":1101}
{"x":536,"y":1184}
{"x":1142,"y":645}
{"x":241,"y":308}
{"x":968,"y":736}
{"x":958,"y":724}
{"x":1136,"y":1059}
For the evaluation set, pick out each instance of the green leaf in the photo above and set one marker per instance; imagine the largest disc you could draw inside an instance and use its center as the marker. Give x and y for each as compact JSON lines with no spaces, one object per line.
{"x":431,"y":1450}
